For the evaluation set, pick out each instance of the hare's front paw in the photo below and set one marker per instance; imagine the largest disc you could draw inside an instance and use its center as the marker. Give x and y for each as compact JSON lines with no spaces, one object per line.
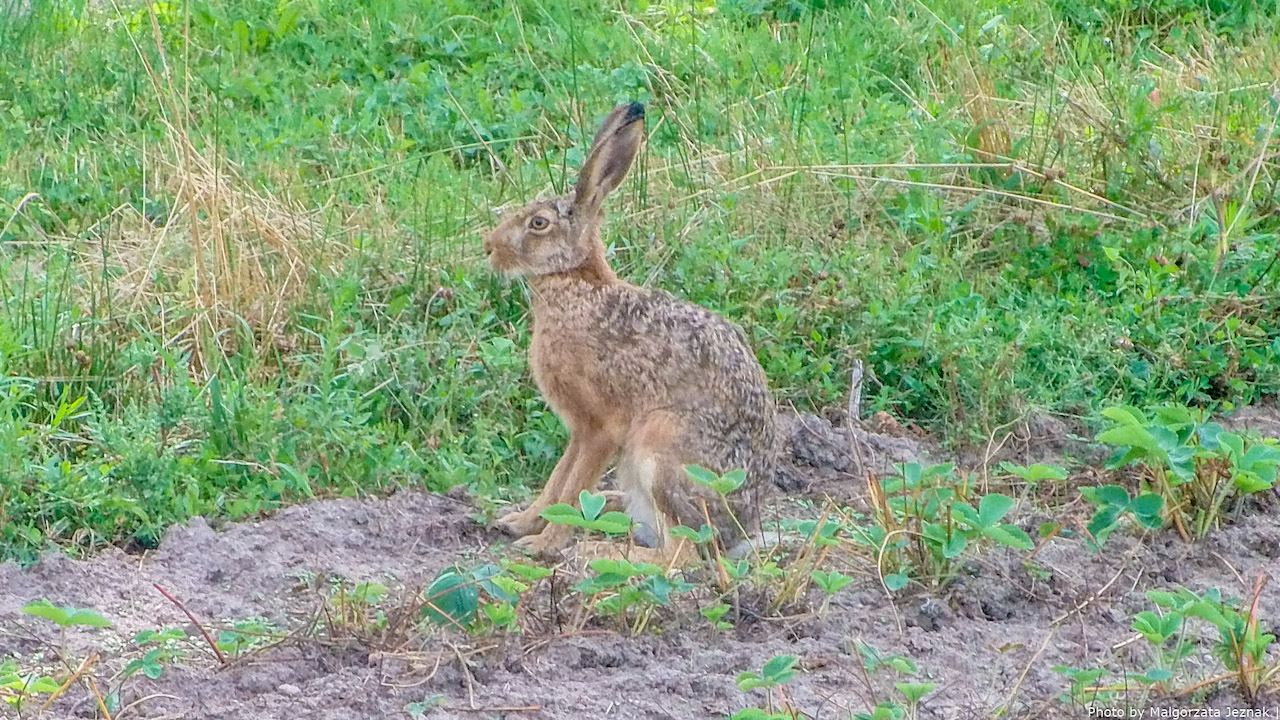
{"x":522,"y":523}
{"x":547,"y":543}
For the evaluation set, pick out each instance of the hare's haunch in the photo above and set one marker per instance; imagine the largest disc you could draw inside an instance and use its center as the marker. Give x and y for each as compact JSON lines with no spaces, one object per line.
{"x":635,"y":374}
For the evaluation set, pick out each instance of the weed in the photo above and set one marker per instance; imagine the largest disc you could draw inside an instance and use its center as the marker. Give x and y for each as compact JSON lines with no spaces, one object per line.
{"x":1241,"y":648}
{"x":924,"y":523}
{"x":19,"y":688}
{"x":776,"y":673}
{"x":588,"y":517}
{"x":1193,"y":464}
{"x":160,"y":648}
{"x":874,"y":662}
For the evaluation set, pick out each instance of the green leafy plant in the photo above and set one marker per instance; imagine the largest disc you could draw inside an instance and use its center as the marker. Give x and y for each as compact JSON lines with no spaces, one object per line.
{"x":874,"y":661}
{"x":245,"y":636}
{"x":353,"y":609}
{"x":1193,"y":464}
{"x":588,"y":516}
{"x":776,"y":673}
{"x":1034,"y":474}
{"x":715,"y":614}
{"x":160,"y":649}
{"x":831,"y":583}
{"x":1084,"y":687}
{"x":65,"y":616}
{"x":17,"y":688}
{"x":423,"y":708}
{"x":1163,"y":633}
{"x":1241,"y":647}
{"x":629,"y":591}
{"x":482,"y":600}
{"x":924,"y":523}
{"x":1113,"y":504}
{"x":722,"y":484}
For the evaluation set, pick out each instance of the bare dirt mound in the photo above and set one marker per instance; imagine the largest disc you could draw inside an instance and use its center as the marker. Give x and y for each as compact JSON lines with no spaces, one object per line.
{"x":989,"y":641}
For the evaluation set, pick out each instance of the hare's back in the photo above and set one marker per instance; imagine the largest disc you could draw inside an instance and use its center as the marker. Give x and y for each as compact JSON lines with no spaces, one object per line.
{"x":667,"y":353}
{"x":667,"y":339}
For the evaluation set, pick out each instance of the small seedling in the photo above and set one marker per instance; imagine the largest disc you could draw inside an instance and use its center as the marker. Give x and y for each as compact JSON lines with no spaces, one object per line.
{"x":882,"y":711}
{"x":1241,"y":647}
{"x":17,"y":688}
{"x":630,"y":591}
{"x":722,"y":484}
{"x":246,"y":635}
{"x":715,"y":613}
{"x":457,"y":597}
{"x":1084,"y":688}
{"x":589,"y":517}
{"x":161,"y":651}
{"x":914,"y":693}
{"x":986,"y":521}
{"x":830,"y":583}
{"x":451,"y":599}
{"x":1114,"y":503}
{"x":780,"y":670}
{"x":423,"y":708}
{"x":874,"y":661}
{"x":924,"y":522}
{"x":701,"y":536}
{"x":1160,"y":630}
{"x":1034,"y":474}
{"x":65,"y":616}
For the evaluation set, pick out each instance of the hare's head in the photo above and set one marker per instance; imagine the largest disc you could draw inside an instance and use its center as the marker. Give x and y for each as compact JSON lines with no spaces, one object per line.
{"x":559,"y":234}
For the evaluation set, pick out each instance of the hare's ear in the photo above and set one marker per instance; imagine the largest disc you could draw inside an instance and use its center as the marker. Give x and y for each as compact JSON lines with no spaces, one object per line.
{"x":615,"y":147}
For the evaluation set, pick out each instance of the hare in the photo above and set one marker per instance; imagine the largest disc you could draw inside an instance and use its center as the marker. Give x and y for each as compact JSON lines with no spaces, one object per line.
{"x":635,"y":374}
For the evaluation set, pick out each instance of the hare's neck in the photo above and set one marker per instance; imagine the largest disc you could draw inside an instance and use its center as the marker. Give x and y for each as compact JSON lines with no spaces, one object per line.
{"x":553,"y":289}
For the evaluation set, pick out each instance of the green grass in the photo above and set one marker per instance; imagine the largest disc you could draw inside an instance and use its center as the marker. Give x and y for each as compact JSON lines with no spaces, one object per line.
{"x":325,"y":167}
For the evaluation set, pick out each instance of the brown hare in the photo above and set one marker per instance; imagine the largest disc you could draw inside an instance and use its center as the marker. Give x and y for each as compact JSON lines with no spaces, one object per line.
{"x":635,"y":374}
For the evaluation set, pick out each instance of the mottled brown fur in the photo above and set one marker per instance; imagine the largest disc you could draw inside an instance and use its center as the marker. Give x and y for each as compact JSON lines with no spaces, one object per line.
{"x":634,"y":373}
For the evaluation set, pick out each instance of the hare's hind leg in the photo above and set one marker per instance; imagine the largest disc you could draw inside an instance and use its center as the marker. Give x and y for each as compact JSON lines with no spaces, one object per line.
{"x":635,"y":479}
{"x":642,"y":473}
{"x":645,"y":470}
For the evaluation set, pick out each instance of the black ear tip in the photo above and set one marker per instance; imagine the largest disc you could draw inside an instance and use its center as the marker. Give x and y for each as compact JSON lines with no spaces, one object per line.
{"x":635,"y":111}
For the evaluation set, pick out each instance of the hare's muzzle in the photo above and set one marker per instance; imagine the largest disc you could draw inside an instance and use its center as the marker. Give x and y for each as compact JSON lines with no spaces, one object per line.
{"x":492,"y":252}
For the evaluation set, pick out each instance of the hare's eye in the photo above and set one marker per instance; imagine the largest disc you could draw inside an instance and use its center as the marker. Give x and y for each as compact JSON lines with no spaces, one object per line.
{"x":537,"y":222}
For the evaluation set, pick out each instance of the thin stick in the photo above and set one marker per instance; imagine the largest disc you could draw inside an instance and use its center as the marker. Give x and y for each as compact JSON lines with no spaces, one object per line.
{"x":1203,"y":683}
{"x":97,"y":695}
{"x":495,"y":708}
{"x":17,"y":210}
{"x":84,"y":666}
{"x":1013,"y":693}
{"x":208,"y":638}
{"x":978,"y":191}
{"x":855,"y":392}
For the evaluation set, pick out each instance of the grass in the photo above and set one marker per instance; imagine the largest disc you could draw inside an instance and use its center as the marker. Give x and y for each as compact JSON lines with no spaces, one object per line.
{"x":239,"y":253}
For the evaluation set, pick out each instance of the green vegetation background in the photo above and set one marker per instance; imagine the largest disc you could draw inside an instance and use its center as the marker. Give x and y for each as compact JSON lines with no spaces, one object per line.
{"x":239,"y":260}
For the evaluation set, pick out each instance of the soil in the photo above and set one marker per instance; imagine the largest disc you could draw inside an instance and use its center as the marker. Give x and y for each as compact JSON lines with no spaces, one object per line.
{"x":989,"y":641}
